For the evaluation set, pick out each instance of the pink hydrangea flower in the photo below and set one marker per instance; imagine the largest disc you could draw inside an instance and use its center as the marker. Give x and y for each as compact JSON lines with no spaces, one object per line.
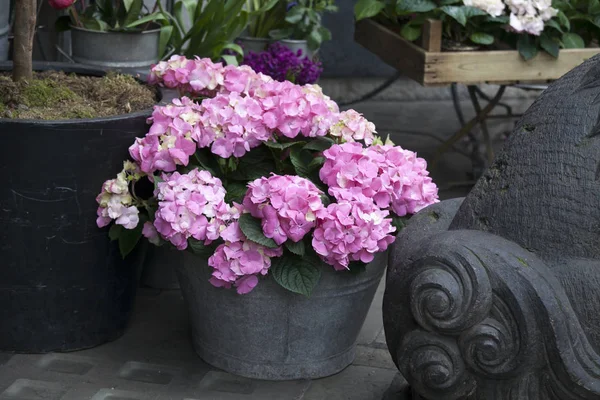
{"x":190,"y":205}
{"x":239,"y":262}
{"x":234,"y":124}
{"x":150,"y":233}
{"x":198,"y":77}
{"x":352,"y":126}
{"x":286,"y":205}
{"x":294,"y":110}
{"x":243,"y":80}
{"x":351,"y":231}
{"x":393,"y":177}
{"x":173,"y":137}
{"x":115,"y":202}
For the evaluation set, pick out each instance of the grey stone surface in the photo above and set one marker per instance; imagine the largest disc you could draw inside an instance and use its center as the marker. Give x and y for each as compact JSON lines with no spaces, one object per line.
{"x":496,"y":296}
{"x":358,"y":383}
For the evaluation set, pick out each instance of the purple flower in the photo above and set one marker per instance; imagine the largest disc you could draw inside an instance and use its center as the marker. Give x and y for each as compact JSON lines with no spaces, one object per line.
{"x":281,"y":63}
{"x":291,"y":5}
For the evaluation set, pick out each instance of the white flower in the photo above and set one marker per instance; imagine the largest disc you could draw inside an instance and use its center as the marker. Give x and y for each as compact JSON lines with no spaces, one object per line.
{"x":527,"y":23}
{"x":493,"y":7}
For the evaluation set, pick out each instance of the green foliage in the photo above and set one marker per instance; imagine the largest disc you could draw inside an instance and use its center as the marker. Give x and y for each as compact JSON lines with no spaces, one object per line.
{"x":295,"y":248}
{"x":265,"y":16}
{"x":127,"y":238}
{"x":297,"y":274}
{"x":252,"y":229}
{"x":303,"y":21}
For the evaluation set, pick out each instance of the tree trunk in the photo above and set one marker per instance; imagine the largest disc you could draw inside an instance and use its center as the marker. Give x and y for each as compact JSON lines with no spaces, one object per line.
{"x":24,"y":30}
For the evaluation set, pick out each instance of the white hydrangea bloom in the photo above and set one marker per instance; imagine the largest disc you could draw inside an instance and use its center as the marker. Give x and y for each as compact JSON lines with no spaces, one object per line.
{"x":493,"y":7}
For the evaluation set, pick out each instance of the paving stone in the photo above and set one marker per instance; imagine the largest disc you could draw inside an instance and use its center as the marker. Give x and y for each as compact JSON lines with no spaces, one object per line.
{"x":148,"y":373}
{"x":263,"y":390}
{"x":5,"y":358}
{"x":380,"y":342}
{"x":354,"y":383}
{"x":26,"y":389}
{"x":373,"y":357}
{"x":217,"y":381}
{"x":112,"y":394}
{"x":67,"y":364}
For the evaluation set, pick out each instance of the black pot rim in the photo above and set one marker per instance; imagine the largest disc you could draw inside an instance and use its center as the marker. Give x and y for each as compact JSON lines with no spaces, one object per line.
{"x":81,"y":70}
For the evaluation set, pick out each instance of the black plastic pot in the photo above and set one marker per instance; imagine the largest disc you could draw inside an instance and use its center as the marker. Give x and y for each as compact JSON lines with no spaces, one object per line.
{"x":63,"y":284}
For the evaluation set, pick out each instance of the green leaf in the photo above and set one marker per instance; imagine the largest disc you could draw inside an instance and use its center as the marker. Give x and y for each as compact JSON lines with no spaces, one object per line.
{"x":314,"y":39}
{"x":298,"y":275}
{"x":127,"y":4}
{"x":62,"y":23}
{"x":115,"y":231}
{"x":235,"y":47}
{"x":474,"y":12}
{"x":593,"y":7}
{"x":133,"y":12}
{"x":415,"y":6}
{"x":320,"y":144}
{"x":572,"y":41}
{"x":129,"y":238}
{"x":502,"y":19}
{"x":298,"y":161}
{"x":554,"y":25}
{"x":325,"y":33}
{"x":165,"y":36}
{"x":206,"y":160}
{"x":230,"y":60}
{"x":296,"y":248}
{"x":399,"y":223}
{"x":199,"y":248}
{"x":367,"y":9}
{"x":157,"y":180}
{"x":316,"y":163}
{"x":295,"y":15}
{"x":526,"y":46}
{"x":449,"y":2}
{"x":252,"y":229}
{"x":456,"y":12}
{"x":410,"y":32}
{"x":157,"y":16}
{"x":235,"y":192}
{"x":564,"y":20}
{"x":282,"y":146}
{"x":549,"y":45}
{"x":482,"y":38}
{"x":279,"y":34}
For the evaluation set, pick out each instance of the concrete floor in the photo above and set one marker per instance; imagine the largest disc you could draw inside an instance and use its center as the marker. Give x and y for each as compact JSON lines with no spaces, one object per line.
{"x":154,"y":360}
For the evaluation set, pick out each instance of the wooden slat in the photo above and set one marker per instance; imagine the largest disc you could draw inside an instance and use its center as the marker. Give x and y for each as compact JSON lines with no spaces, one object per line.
{"x":442,"y":68}
{"x":500,"y":66}
{"x":400,"y":54}
{"x":432,"y":36}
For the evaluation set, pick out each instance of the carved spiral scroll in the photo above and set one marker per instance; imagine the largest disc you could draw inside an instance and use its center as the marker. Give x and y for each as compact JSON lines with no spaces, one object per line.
{"x":434,"y":367}
{"x":450,"y":294}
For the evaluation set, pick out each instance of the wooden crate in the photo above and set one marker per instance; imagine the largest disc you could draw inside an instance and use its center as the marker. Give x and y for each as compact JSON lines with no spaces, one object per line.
{"x":430,"y":66}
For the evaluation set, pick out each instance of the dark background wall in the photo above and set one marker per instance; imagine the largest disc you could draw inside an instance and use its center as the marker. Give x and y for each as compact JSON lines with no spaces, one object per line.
{"x":341,"y":56}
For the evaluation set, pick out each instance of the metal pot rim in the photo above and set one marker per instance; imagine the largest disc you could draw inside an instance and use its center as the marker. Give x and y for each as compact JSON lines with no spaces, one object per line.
{"x":77,"y":28}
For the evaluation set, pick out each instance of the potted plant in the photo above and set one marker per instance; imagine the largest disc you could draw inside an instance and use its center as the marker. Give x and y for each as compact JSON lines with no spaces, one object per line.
{"x":525,"y":26}
{"x":295,"y":24}
{"x":64,"y":286}
{"x":286,"y":201}
{"x":104,"y":33}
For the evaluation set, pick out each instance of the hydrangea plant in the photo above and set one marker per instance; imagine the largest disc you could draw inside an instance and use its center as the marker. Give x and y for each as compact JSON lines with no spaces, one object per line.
{"x":262,"y":178}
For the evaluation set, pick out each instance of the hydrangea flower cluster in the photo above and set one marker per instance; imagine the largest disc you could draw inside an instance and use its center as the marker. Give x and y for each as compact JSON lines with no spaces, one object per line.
{"x":172,"y":137}
{"x":352,"y":126}
{"x":200,"y":76}
{"x":529,"y":15}
{"x":393,"y":177}
{"x":239,"y":261}
{"x":286,"y":205}
{"x":191,"y":205}
{"x":233,"y":124}
{"x":281,"y":64}
{"x":351,"y":231}
{"x":115,"y":202}
{"x":294,"y":110}
{"x":525,"y":15}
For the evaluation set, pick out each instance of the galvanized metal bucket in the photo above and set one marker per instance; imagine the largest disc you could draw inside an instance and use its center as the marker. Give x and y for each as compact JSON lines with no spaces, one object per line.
{"x":275,"y":334}
{"x":4,"y":28}
{"x":115,"y":49}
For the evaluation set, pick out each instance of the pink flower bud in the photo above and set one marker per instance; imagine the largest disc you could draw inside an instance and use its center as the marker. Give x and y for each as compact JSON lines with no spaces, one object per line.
{"x":61,"y":4}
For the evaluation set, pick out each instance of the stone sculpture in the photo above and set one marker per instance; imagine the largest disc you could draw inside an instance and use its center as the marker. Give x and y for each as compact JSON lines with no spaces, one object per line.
{"x":497,"y":296}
